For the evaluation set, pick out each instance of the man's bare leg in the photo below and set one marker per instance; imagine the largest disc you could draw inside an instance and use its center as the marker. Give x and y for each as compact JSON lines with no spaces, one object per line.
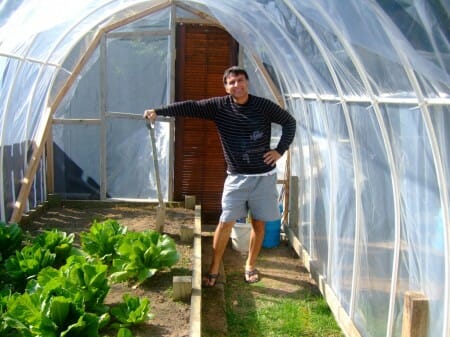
{"x":255,"y":244}
{"x":220,"y":242}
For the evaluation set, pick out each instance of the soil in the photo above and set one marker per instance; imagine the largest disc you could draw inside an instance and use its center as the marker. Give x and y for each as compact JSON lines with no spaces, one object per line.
{"x":171,"y":318}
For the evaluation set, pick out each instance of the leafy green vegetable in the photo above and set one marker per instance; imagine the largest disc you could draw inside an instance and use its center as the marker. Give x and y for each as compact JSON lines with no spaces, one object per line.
{"x":142,"y":254}
{"x":69,"y":301}
{"x":60,"y":302}
{"x":26,"y":264}
{"x":124,"y":332}
{"x":132,"y":311}
{"x":103,"y":239}
{"x":57,"y":242}
{"x":84,"y":282}
{"x":10,"y":239}
{"x":23,"y":315}
{"x":91,"y":279}
{"x":3,"y":301}
{"x":50,"y":316}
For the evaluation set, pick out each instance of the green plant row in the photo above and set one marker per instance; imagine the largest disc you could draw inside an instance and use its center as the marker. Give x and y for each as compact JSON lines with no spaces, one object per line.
{"x":49,"y":288}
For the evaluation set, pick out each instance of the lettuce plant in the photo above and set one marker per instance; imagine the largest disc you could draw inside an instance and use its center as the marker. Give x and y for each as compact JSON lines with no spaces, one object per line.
{"x":131,"y":311}
{"x":10,"y":239}
{"x":142,"y":254}
{"x":58,"y":242}
{"x":103,"y":239}
{"x":26,"y":264}
{"x":51,"y":316}
{"x":86,"y":282}
{"x":124,"y":332}
{"x":60,"y":302}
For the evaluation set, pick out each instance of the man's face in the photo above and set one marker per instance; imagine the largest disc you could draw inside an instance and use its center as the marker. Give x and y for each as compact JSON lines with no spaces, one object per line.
{"x":237,"y":87}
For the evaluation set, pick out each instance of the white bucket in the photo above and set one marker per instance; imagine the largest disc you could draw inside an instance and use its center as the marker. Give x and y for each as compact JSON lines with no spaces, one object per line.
{"x":240,"y":236}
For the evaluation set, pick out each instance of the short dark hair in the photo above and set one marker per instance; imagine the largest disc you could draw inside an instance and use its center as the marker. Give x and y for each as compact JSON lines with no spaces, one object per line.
{"x":234,"y":70}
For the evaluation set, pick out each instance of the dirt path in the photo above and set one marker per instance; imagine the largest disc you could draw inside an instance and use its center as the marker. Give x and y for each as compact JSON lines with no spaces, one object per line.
{"x":282,"y":273}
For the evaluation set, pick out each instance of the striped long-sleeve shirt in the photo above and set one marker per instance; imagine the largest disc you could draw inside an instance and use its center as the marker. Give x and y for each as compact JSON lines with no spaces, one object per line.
{"x":244,"y":130}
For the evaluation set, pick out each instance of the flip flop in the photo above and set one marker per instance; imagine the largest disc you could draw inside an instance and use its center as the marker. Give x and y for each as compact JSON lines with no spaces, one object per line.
{"x":250,"y":276}
{"x":210,"y":280}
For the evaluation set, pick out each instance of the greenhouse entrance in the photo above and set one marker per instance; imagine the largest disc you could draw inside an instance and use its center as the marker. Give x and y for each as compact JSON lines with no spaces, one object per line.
{"x":203,"y":53}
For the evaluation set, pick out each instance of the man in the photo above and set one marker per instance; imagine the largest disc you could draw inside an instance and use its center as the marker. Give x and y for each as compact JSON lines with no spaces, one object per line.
{"x":244,"y":125}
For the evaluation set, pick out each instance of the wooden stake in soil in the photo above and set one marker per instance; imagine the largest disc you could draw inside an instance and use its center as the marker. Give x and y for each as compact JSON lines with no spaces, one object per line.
{"x":186,"y":233}
{"x":182,"y":287}
{"x":160,"y":210}
{"x":189,"y":201}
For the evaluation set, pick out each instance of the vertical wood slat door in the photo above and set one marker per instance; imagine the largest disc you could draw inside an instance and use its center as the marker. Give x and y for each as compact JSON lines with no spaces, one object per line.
{"x":203,"y":53}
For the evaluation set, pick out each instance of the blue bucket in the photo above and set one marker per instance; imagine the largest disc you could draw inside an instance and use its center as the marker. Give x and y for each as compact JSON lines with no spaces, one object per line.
{"x":272,"y":234}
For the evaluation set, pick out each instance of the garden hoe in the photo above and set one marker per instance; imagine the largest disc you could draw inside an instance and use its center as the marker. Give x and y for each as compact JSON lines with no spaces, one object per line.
{"x":160,"y":210}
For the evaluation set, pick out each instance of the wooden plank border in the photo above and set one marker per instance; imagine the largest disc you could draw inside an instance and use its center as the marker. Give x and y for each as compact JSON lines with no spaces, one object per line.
{"x":196,"y":297}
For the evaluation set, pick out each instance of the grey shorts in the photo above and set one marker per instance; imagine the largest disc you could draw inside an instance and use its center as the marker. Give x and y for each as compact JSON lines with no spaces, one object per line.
{"x":255,"y":193}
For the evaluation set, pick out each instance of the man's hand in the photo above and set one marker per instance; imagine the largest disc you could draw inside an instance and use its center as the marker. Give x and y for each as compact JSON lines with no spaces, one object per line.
{"x":150,"y":115}
{"x":271,"y":157}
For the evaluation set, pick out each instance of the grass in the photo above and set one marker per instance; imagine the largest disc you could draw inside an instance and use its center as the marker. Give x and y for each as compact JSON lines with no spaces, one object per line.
{"x":253,"y":312}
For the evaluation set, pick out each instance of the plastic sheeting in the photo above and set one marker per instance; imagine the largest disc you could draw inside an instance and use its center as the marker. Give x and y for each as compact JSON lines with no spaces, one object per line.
{"x":368,"y":82}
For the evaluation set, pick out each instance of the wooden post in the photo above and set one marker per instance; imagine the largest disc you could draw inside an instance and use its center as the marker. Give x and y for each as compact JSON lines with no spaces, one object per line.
{"x":287,"y":186}
{"x":186,"y":233}
{"x":189,"y":201}
{"x":182,"y":287}
{"x":196,"y":297}
{"x":415,"y":315}
{"x":293,"y":201}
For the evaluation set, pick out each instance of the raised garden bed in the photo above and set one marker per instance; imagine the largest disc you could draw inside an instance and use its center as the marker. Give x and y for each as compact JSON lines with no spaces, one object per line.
{"x":171,"y":318}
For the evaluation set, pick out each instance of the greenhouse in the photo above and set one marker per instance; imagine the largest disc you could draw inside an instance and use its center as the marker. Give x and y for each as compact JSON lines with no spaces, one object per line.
{"x":366,"y":199}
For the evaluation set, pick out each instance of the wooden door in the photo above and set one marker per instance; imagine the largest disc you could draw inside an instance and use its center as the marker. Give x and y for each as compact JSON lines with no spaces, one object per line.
{"x":203,"y":53}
